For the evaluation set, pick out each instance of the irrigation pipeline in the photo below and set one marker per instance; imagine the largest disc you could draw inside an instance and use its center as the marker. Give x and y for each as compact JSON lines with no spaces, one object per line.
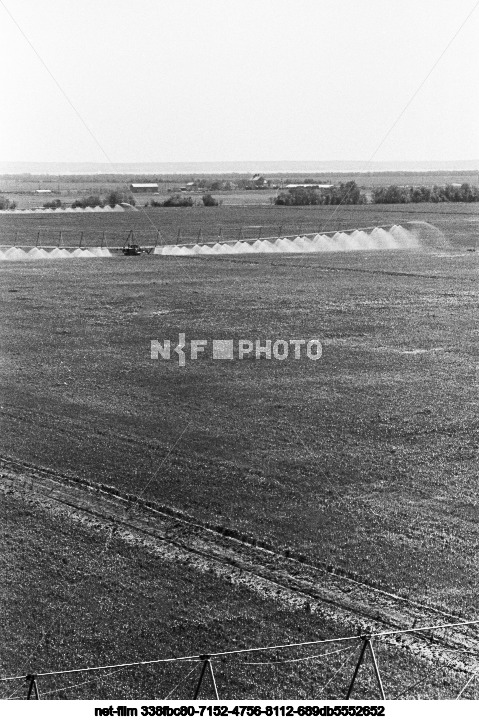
{"x":196,"y":239}
{"x":218,"y":239}
{"x":275,"y":237}
{"x":236,"y":652}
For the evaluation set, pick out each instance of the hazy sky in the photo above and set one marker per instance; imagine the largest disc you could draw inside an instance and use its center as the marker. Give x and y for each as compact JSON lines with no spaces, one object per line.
{"x":196,"y":80}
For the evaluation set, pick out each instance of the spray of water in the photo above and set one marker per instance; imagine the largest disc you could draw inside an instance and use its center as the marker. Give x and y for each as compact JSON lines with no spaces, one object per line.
{"x":414,"y":235}
{"x":55,"y":254}
{"x":60,"y":211}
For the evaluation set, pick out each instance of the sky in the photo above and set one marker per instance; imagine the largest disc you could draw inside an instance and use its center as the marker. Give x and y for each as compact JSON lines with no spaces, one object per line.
{"x":221,"y":80}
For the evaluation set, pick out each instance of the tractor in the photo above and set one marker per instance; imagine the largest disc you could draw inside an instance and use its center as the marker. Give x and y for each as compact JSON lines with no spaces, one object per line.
{"x":132,"y":248}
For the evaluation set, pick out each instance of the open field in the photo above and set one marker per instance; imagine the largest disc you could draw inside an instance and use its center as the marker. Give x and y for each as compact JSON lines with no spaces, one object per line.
{"x":106,"y":596}
{"x":109,"y":593}
{"x":457,"y":221}
{"x":365,"y":460}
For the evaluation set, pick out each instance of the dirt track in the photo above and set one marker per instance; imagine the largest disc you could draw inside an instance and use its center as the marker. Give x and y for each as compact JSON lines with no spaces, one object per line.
{"x":172,"y":534}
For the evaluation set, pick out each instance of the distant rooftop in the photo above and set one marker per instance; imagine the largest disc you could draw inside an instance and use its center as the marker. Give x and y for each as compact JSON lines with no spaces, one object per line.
{"x":308,"y":185}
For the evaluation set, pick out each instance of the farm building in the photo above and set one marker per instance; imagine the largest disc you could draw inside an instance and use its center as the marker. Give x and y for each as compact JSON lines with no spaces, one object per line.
{"x":144,"y":187}
{"x":259,"y":181}
{"x":308,"y":185}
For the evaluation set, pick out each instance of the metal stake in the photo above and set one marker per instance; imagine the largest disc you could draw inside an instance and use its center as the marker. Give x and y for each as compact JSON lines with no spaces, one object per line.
{"x":213,"y":680}
{"x":376,"y":670}
{"x":206,"y":665}
{"x":198,"y":685}
{"x":367,"y":644}
{"x":103,"y":237}
{"x":360,"y":660}
{"x":81,"y":240}
{"x":32,"y":679}
{"x":38,"y":237}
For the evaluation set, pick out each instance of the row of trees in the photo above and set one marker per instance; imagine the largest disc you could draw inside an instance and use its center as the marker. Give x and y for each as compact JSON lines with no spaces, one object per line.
{"x":177,"y":200}
{"x":174,"y":201}
{"x":114,"y":197}
{"x":342,"y":194}
{"x":93,"y":201}
{"x":464,"y":193}
{"x":350,"y":194}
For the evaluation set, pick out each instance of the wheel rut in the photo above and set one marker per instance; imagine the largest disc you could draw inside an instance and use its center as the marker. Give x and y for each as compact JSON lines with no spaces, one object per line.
{"x":176,"y":537}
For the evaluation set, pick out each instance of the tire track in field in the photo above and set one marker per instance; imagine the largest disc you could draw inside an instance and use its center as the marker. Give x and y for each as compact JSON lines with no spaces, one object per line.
{"x":175,"y":537}
{"x":336,"y":268}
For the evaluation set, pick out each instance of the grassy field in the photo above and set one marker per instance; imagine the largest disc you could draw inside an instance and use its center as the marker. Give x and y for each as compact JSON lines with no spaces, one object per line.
{"x":75,"y":597}
{"x":367,"y":458}
{"x":458,"y":222}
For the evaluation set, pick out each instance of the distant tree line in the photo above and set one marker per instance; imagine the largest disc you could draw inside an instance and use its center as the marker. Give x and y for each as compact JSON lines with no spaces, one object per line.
{"x":114,"y":197}
{"x":54,"y":204}
{"x":464,"y":193}
{"x":342,"y":194}
{"x":177,"y":200}
{"x":350,"y":194}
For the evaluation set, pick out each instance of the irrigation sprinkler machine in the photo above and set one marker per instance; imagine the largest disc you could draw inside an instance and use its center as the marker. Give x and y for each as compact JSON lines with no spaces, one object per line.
{"x":132,"y":248}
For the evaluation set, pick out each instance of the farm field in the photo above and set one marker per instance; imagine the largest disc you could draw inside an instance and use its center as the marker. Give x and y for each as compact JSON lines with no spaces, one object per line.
{"x":457,"y":221}
{"x":101,"y":599}
{"x":366,"y":458}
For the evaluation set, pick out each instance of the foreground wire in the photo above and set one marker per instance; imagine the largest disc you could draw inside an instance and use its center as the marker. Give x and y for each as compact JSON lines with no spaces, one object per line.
{"x":235,"y":652}
{"x":466,"y":685}
{"x":347,"y":660}
{"x":181,"y":681}
{"x":297,"y":660}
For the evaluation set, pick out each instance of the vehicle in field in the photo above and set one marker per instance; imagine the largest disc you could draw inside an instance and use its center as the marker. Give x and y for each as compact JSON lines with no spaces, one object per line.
{"x":132,"y":248}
